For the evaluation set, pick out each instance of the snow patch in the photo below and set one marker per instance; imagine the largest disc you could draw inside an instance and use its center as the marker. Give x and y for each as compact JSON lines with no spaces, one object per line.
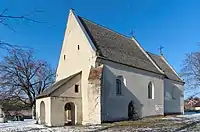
{"x":30,"y":126}
{"x":190,"y":116}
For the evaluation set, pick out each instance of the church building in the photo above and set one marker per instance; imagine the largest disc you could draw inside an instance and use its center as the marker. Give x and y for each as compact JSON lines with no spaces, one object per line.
{"x":105,"y":76}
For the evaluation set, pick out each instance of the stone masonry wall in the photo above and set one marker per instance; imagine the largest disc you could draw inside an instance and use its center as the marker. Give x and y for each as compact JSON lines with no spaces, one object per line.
{"x":94,"y":92}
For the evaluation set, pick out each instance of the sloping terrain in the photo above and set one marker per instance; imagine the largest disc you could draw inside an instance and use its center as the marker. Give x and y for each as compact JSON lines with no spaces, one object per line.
{"x":182,"y":123}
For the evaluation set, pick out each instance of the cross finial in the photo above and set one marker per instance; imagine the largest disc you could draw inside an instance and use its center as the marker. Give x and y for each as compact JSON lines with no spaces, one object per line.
{"x":132,"y":34}
{"x":72,"y":9}
{"x":160,"y":50}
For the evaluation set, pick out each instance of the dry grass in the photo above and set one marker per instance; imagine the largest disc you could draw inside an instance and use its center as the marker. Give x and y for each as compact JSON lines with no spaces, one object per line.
{"x":149,"y":122}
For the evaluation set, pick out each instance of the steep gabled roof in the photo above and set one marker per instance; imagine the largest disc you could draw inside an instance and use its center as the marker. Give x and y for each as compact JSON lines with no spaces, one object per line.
{"x":165,"y":67}
{"x":56,"y":86}
{"x":118,"y":48}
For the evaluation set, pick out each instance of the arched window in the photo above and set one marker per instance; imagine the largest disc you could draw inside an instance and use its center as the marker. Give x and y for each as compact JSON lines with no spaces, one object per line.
{"x":119,"y":81}
{"x":150,"y":90}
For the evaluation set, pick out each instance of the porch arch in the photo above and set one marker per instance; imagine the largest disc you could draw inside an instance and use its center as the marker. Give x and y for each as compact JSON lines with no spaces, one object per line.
{"x":132,"y":111}
{"x":42,"y":112}
{"x":70,"y":113}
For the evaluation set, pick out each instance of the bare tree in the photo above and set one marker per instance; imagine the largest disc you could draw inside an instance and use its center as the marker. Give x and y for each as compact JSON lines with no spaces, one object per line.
{"x":6,"y":18}
{"x":24,"y":77}
{"x":191,"y":72}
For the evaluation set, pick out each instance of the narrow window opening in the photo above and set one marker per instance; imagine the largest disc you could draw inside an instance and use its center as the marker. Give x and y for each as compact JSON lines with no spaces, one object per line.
{"x":76,"y":88}
{"x":174,"y":93}
{"x":78,"y":47}
{"x":64,"y":57}
{"x":150,"y":90}
{"x":119,"y":82}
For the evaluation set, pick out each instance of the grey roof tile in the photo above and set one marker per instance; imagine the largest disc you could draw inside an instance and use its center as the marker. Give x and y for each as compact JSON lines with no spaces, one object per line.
{"x":116,"y":47}
{"x":165,"y":67}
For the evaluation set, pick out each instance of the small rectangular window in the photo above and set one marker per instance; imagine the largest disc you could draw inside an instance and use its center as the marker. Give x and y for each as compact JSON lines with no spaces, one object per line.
{"x":78,"y":47}
{"x":64,"y":57}
{"x":76,"y":88}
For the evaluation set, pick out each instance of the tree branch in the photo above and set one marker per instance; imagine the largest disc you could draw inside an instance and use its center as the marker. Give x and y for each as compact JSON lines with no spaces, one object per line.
{"x":22,"y":75}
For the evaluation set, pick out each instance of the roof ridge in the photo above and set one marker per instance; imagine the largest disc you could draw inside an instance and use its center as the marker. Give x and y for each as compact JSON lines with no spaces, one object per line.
{"x":112,"y":30}
{"x":153,"y":53}
{"x":132,"y":41}
{"x":166,"y":71}
{"x":172,"y":68}
{"x":154,"y":60}
{"x":54,"y":87}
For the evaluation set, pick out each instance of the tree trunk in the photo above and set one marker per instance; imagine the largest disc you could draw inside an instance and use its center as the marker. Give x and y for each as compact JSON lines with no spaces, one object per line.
{"x":33,"y":112}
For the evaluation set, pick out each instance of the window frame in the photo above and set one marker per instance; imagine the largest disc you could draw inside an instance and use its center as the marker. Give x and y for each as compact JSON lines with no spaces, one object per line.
{"x":150,"y":90}
{"x":119,"y":81}
{"x":76,"y":88}
{"x":118,"y":86}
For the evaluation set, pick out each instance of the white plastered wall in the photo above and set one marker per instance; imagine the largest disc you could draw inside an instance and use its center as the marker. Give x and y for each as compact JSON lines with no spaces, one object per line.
{"x":134,"y":89}
{"x":47,"y":102}
{"x":173,"y":97}
{"x":77,"y":60}
{"x":58,"y":107}
{"x":94,"y":95}
{"x":66,"y":94}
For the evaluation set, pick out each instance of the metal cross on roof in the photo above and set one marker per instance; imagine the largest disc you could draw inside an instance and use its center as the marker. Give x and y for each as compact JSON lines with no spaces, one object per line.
{"x":132,"y":34}
{"x":160,"y":50}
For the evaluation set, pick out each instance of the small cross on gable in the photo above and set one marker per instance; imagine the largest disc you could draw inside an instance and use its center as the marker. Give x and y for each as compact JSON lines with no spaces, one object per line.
{"x":161,"y":50}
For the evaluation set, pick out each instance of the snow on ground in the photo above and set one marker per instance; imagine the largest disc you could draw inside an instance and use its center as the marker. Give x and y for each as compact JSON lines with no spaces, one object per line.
{"x":192,"y":117}
{"x":172,"y":118}
{"x":30,"y":126}
{"x":197,"y":115}
{"x":181,"y":123}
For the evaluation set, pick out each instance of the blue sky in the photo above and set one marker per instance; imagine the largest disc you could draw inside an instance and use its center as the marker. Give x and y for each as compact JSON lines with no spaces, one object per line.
{"x":173,"y":24}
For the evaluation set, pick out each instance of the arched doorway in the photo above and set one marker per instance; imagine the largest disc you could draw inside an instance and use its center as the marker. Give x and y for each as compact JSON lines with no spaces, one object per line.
{"x":70,"y":113}
{"x":42,"y":112}
{"x":132,"y":114}
{"x":130,"y":110}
